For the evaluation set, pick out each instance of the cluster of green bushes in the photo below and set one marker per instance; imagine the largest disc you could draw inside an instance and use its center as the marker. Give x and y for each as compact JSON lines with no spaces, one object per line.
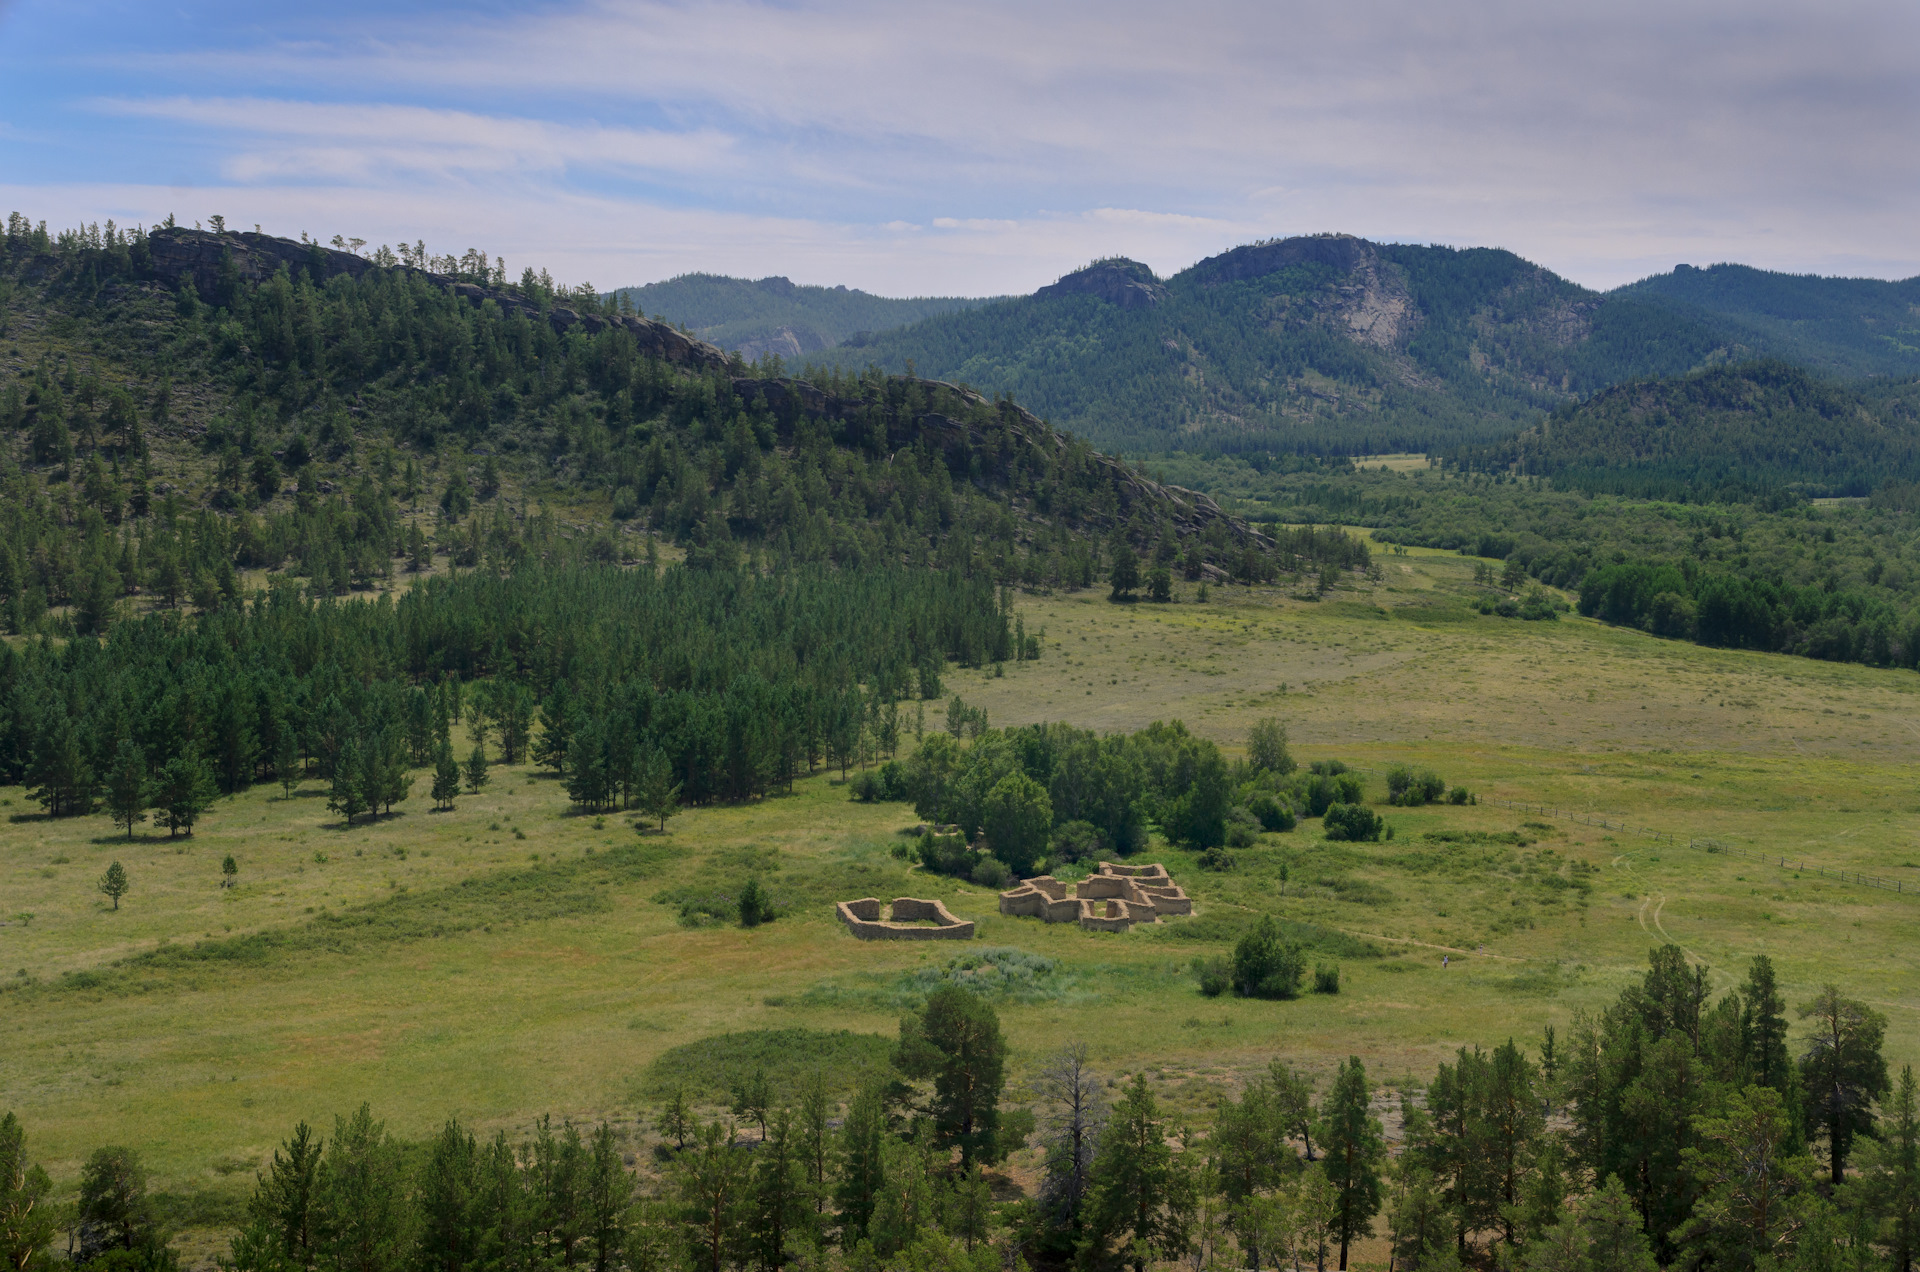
{"x":1264,"y":965}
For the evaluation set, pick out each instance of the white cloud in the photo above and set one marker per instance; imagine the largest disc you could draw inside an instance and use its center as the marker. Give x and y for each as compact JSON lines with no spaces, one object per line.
{"x":374,"y":141}
{"x":989,"y":145}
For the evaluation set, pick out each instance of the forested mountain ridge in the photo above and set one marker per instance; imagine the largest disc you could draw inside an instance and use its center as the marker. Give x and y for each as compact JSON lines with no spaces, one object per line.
{"x":185,"y":407}
{"x":754,"y":317}
{"x":1328,"y":343}
{"x":1841,"y":326}
{"x":1758,"y":429}
{"x":1332,"y":344}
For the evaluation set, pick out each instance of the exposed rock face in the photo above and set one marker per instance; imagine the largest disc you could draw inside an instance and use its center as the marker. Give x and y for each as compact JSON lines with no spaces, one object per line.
{"x":198,"y":255}
{"x":1189,"y":510}
{"x":1372,"y":300}
{"x":1122,"y":282}
{"x":788,"y":342}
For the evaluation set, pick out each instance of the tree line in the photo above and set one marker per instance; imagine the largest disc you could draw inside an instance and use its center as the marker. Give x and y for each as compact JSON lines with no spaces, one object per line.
{"x":713,"y":686}
{"x":1666,"y":1131}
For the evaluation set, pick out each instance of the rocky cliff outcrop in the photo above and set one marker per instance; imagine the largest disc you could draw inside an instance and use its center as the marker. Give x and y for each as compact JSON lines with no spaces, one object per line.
{"x":1119,"y":281}
{"x":1370,"y":301}
{"x":201,"y":256}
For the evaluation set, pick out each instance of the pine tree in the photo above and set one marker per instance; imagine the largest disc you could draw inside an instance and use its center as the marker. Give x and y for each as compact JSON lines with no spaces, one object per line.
{"x":676,"y":1120}
{"x":477,"y":769}
{"x":1141,"y":1197}
{"x":446,"y":776}
{"x":185,"y":790}
{"x":779,"y":1209}
{"x":956,"y":1041}
{"x":659,"y":793}
{"x":127,"y":788}
{"x":361,"y":1202}
{"x":1352,"y":1148}
{"x":1842,"y":1072}
{"x":714,"y":1195}
{"x":65,"y":781}
{"x":1890,"y":1174}
{"x":447,"y":1195}
{"x":286,"y":760}
{"x":27,"y":1220}
{"x":348,"y":797}
{"x":114,"y":883}
{"x":862,"y":1164}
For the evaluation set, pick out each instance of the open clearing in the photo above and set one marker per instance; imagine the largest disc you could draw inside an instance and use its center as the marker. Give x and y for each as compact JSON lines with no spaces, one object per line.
{"x":522,"y":960}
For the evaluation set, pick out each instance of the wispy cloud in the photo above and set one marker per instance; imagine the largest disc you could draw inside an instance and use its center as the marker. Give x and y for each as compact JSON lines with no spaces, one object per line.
{"x":371,"y":142}
{"x":991,"y":144}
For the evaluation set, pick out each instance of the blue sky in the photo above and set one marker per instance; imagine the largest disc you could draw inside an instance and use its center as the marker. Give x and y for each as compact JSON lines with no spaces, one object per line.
{"x":981,"y":147}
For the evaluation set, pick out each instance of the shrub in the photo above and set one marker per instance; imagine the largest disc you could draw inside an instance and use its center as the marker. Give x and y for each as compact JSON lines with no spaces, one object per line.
{"x":1273,"y":813}
{"x":1323,"y":790}
{"x":1214,"y":974}
{"x":1326,"y":978}
{"x":756,"y":907}
{"x":1264,"y":966}
{"x":1409,"y":788}
{"x":991,"y":872}
{"x":1327,"y":768}
{"x":1355,"y":822}
{"x":887,"y":783}
{"x":1077,"y":841}
{"x":947,"y":855}
{"x":1243,"y":829}
{"x":1217,"y":859}
{"x":1461,"y":795}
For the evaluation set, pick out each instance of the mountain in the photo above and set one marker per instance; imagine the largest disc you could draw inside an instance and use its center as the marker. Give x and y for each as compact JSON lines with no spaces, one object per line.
{"x":1327,"y":343}
{"x":773,"y":315}
{"x":1843,"y":326}
{"x":1726,"y":433}
{"x":1335,"y":344}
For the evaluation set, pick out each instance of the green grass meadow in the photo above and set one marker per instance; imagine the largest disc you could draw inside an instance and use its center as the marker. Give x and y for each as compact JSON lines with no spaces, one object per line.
{"x":510,"y":958}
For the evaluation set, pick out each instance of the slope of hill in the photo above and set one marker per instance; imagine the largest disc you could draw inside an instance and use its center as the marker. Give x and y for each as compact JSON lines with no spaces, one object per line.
{"x":1328,"y":343}
{"x":1758,"y":428}
{"x":186,"y":407}
{"x":1842,"y":326}
{"x":774,"y":315}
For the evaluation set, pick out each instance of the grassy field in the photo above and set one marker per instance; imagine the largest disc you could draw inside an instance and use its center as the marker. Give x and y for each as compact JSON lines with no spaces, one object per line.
{"x":510,"y":958}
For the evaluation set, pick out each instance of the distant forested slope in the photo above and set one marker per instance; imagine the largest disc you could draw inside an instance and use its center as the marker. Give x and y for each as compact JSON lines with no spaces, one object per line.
{"x":1753,"y":430}
{"x":774,"y":315}
{"x":1843,"y":326}
{"x":1329,"y":344}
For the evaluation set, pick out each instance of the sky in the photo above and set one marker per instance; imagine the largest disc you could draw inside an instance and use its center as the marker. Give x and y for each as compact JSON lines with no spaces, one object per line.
{"x":976,"y":147}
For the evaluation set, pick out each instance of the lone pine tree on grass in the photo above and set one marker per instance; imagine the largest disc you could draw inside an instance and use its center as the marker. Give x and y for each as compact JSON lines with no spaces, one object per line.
{"x":114,"y":883}
{"x":477,"y":768}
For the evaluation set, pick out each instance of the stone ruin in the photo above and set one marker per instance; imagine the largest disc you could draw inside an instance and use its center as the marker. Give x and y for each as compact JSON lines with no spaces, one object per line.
{"x":863,"y":919}
{"x":1111,"y":901}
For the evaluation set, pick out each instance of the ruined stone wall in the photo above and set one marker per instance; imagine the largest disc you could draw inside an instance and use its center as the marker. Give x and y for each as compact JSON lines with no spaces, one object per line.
{"x":862,"y":918}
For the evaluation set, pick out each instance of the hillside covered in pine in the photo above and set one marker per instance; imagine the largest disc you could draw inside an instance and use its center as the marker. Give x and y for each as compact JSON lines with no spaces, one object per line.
{"x":1336,"y":345}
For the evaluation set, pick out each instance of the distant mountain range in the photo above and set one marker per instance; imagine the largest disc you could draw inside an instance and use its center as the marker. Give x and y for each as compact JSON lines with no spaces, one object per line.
{"x":1329,"y":343}
{"x":774,"y":315}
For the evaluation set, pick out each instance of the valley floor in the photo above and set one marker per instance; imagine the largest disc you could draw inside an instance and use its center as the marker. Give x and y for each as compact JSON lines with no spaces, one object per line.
{"x":535,"y":961}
